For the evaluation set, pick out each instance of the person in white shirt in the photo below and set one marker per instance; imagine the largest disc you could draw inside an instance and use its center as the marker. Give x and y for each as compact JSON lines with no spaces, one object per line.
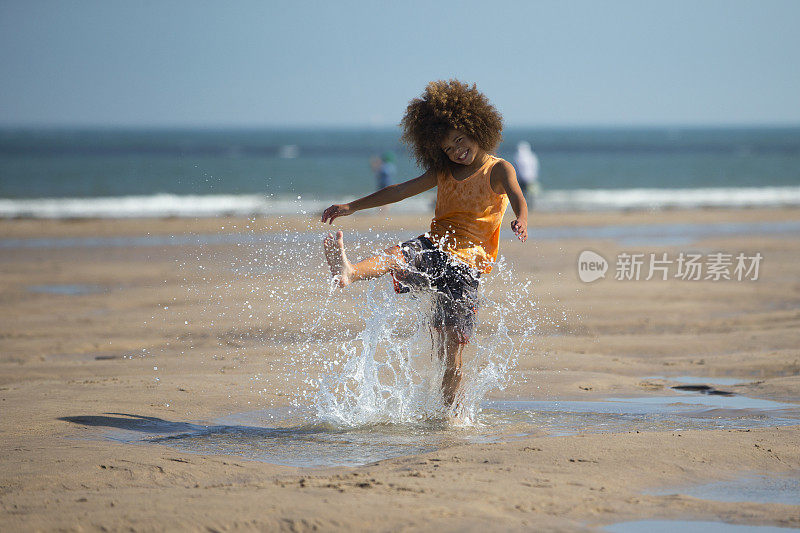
{"x":527,"y":171}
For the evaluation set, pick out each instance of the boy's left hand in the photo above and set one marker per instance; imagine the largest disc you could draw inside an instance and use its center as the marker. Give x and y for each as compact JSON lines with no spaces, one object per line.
{"x":520,"y":229}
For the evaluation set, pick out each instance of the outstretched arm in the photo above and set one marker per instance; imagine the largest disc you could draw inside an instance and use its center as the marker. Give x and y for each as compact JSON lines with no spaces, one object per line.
{"x":504,"y":180}
{"x":387,"y":195}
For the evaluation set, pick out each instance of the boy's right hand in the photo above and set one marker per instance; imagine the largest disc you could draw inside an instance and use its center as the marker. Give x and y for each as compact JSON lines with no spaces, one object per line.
{"x":336,"y":210}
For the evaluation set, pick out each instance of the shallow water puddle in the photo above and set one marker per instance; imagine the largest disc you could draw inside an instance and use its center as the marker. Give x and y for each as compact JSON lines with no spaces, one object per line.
{"x":66,"y":290}
{"x":210,"y":239}
{"x":687,"y":526}
{"x":672,"y":234}
{"x":284,"y":436}
{"x":694,"y":380}
{"x":295,"y":437}
{"x":653,"y":413}
{"x":755,"y":488}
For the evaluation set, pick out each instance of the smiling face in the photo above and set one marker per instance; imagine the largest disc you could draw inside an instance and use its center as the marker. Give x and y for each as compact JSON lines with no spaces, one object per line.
{"x":460,"y":148}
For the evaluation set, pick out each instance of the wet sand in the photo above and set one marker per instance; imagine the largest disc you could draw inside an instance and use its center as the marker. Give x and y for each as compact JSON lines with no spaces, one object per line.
{"x":87,"y":347}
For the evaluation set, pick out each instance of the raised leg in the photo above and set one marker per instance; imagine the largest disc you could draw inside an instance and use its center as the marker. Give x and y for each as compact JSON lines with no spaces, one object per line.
{"x":345,"y":272}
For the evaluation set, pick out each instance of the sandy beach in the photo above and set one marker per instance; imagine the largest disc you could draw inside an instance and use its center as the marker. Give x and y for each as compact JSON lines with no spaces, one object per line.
{"x":115,"y":328}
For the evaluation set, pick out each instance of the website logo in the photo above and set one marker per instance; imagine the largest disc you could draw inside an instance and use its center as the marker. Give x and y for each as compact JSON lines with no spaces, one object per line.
{"x":591,"y":266}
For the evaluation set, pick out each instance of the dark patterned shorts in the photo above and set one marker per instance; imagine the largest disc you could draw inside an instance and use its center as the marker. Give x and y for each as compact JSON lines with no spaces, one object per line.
{"x":455,"y":284}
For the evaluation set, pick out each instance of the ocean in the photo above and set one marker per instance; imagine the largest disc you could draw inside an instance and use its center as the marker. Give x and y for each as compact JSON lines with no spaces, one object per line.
{"x":69,"y":173}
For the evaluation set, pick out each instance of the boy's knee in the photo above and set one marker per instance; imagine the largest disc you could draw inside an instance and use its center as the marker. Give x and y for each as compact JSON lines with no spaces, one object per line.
{"x":395,"y":258}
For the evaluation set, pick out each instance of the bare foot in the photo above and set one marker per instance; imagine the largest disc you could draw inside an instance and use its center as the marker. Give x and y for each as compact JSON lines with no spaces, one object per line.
{"x":341,"y":268}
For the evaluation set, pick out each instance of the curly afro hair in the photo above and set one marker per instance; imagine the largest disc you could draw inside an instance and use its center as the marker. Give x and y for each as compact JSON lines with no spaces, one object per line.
{"x":446,"y":105}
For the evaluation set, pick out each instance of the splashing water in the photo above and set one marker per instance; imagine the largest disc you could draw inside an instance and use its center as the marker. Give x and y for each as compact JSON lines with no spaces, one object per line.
{"x":360,"y":356}
{"x":391,"y":373}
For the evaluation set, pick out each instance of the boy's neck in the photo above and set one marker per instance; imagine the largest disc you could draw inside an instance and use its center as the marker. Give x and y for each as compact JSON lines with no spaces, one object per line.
{"x":480,"y":159}
{"x":462,"y":171}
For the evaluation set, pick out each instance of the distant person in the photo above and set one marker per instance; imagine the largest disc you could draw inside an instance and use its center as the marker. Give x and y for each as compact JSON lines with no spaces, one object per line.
{"x":386,"y":170}
{"x":527,"y":171}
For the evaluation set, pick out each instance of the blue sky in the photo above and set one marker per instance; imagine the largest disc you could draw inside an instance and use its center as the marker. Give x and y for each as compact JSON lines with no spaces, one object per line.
{"x":347,"y":63}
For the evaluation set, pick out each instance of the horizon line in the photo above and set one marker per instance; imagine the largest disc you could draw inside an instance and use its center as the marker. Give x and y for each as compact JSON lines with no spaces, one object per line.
{"x":387,"y":127}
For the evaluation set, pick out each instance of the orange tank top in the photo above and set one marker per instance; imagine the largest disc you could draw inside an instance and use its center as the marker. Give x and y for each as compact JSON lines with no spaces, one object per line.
{"x":468,"y":216}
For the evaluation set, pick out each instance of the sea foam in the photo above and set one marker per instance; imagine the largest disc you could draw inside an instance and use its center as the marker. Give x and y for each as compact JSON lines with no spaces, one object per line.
{"x":171,"y":205}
